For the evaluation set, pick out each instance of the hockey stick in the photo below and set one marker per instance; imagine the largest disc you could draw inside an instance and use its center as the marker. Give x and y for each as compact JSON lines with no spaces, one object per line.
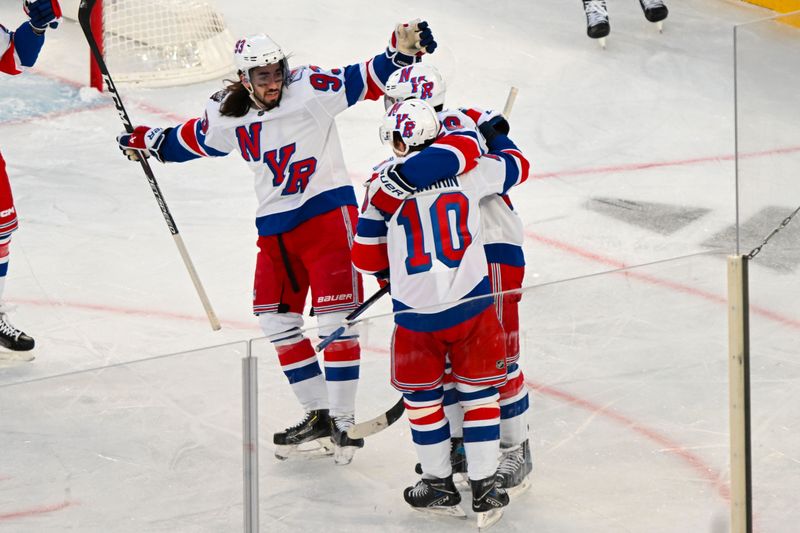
{"x":84,"y":17}
{"x":379,"y":423}
{"x":512,"y":95}
{"x":352,"y":316}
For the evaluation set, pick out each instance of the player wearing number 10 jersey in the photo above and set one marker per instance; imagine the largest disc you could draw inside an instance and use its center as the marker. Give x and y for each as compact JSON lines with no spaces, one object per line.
{"x":432,"y":244}
{"x":281,"y":122}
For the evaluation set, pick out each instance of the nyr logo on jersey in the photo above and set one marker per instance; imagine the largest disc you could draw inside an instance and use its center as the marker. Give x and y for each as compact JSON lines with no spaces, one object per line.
{"x":293,"y":176}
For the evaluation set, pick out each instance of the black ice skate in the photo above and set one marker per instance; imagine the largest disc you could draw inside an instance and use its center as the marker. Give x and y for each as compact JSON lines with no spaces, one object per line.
{"x":458,"y":461}
{"x":488,"y":501}
{"x":307,"y":440}
{"x":516,"y":464}
{"x":14,"y":339}
{"x":655,"y":11}
{"x":597,"y":26}
{"x":343,"y":446}
{"x":435,"y":496}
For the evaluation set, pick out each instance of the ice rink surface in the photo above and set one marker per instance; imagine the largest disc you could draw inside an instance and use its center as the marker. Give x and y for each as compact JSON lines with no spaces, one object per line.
{"x":631,"y":201}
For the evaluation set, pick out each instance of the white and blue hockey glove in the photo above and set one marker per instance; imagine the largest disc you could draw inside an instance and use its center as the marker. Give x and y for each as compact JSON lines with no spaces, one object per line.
{"x":143,"y":140}
{"x":410,"y":41}
{"x":43,"y":13}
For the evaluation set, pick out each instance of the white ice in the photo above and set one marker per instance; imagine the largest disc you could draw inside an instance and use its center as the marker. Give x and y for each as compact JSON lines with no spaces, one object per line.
{"x":632,"y":150}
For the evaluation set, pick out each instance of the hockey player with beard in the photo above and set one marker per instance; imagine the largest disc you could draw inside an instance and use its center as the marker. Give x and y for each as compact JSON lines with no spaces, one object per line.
{"x":19,"y":49}
{"x":456,"y":151}
{"x":281,"y":122}
{"x":431,"y":241}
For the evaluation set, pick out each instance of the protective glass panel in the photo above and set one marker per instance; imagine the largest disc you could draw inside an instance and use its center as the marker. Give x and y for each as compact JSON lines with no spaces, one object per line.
{"x":628,"y":420}
{"x":768,"y":134}
{"x":153,"y":445}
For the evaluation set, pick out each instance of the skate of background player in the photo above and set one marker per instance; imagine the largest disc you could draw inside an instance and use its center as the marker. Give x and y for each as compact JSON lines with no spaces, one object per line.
{"x":618,"y":145}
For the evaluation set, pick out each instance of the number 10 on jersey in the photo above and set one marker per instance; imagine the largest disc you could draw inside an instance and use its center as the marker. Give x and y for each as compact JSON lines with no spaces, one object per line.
{"x":447,"y":217}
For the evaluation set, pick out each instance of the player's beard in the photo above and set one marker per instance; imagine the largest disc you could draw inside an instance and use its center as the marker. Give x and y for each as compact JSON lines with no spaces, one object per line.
{"x":272,"y":104}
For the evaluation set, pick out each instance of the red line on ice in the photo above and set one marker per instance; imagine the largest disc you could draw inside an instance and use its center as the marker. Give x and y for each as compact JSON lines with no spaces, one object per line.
{"x":653,"y":280}
{"x":136,"y":312}
{"x":35,"y":511}
{"x":632,"y":167}
{"x":695,"y":462}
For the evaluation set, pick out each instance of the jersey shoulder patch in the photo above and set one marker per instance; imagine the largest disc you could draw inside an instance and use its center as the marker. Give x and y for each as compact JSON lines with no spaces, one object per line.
{"x":296,"y":74}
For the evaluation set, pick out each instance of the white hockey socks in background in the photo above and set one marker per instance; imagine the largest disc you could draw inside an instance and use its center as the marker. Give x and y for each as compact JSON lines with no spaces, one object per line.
{"x":342,"y":366}
{"x":514,"y":403}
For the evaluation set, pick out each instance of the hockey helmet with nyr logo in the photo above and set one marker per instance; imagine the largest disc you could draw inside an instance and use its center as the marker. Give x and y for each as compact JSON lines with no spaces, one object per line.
{"x":258,"y":51}
{"x":416,"y":81}
{"x":413,"y":122}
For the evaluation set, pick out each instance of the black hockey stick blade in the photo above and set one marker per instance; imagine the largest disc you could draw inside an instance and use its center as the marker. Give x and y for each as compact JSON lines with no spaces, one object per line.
{"x":379,"y":423}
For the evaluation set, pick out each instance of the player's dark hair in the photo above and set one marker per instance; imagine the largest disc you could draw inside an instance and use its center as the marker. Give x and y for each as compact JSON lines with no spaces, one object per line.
{"x":397,"y":138}
{"x":237,"y":101}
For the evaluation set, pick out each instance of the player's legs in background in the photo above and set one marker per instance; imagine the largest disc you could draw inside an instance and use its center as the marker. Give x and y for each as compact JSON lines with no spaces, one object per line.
{"x":515,"y":462}
{"x":336,"y":290}
{"x":279,"y":308}
{"x":455,"y":415}
{"x":10,"y":337}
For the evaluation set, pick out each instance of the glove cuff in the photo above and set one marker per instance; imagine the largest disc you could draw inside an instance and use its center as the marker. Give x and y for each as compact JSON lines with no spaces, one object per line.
{"x":399,"y":59}
{"x":37,"y":30}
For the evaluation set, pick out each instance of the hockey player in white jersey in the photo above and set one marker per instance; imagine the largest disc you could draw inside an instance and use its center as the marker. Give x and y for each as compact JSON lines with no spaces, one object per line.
{"x":19,"y":49}
{"x":281,"y":122}
{"x":455,"y":151}
{"x":432,"y":243}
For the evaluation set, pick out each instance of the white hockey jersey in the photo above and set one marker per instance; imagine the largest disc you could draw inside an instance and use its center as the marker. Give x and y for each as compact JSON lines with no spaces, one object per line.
{"x":294,"y":149}
{"x":433,"y":244}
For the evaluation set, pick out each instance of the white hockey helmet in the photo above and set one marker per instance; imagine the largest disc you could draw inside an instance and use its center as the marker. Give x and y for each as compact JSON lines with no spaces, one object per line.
{"x":414,"y":121}
{"x":415,"y":81}
{"x":258,"y":51}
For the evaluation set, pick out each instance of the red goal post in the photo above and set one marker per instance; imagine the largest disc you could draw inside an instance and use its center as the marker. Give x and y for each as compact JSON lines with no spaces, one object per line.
{"x":159,"y":43}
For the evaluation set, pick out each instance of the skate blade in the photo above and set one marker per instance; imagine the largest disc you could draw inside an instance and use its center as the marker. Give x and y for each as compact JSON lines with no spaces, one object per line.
{"x":343,"y":455}
{"x":516,"y":490}
{"x":315,"y":449}
{"x":453,"y":511}
{"x":17,"y":357}
{"x":602,"y":42}
{"x":660,"y":26}
{"x":489,"y":518}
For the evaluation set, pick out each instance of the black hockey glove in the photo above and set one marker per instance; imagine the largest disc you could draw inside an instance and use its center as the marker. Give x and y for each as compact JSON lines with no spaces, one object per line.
{"x":497,"y":125}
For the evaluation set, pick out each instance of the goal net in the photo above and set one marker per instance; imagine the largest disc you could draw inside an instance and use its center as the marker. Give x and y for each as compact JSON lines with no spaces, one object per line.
{"x":158,"y":43}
